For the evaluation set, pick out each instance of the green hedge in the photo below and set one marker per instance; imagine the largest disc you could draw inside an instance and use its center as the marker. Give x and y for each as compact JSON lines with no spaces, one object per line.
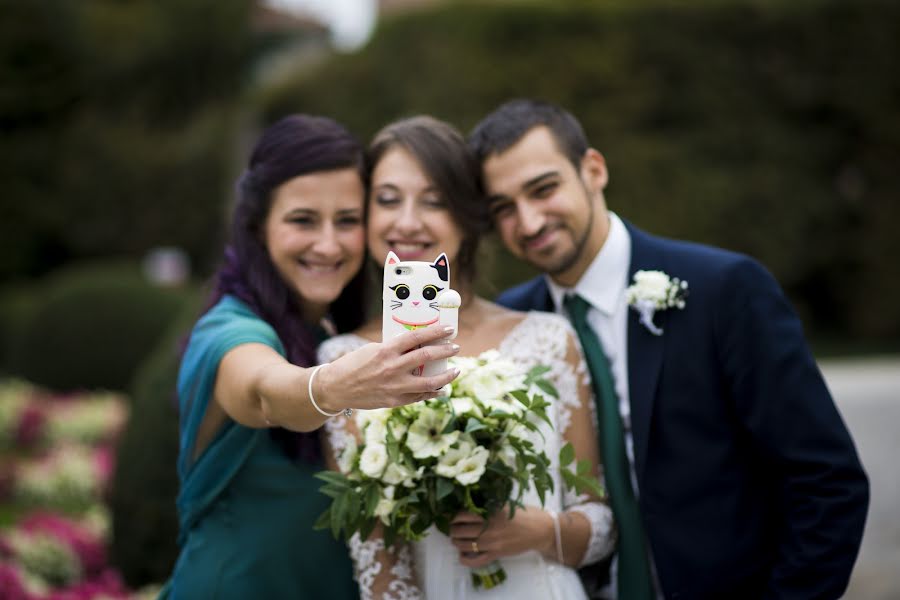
{"x":88,"y":326}
{"x":145,"y":483}
{"x":769,"y":128}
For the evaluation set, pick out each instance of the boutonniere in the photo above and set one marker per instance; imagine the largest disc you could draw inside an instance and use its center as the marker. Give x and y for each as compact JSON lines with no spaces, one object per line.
{"x":653,"y":291}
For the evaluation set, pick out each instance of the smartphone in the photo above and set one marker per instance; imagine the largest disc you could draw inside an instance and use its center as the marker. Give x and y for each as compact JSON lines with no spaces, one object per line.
{"x":416,"y":294}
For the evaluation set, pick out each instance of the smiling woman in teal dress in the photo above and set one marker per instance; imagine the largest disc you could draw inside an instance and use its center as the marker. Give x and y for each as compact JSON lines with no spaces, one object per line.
{"x":251,"y":400}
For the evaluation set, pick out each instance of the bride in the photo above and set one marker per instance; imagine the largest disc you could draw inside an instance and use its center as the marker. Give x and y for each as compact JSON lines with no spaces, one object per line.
{"x":423,"y":200}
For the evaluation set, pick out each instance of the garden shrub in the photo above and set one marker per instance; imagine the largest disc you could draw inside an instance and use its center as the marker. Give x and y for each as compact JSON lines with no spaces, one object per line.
{"x":145,"y":482}
{"x":89,"y":326}
{"x":768,"y":128}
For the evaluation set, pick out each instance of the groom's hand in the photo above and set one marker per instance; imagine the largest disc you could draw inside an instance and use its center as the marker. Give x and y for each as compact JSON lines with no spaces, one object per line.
{"x":480,"y":543}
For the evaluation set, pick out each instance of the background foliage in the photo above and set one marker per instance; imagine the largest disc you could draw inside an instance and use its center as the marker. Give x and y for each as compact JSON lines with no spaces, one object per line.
{"x":764,"y":126}
{"x":769,"y":128}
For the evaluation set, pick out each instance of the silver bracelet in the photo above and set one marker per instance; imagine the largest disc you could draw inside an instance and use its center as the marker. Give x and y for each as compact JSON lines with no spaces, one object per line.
{"x":346,"y":412}
{"x":556,"y":531}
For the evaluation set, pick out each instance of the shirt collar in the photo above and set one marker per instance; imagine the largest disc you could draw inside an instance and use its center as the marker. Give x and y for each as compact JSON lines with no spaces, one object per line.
{"x":603,"y":283}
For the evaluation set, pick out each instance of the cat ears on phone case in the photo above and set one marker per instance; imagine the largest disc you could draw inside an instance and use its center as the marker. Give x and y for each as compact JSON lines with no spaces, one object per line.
{"x":441,"y":264}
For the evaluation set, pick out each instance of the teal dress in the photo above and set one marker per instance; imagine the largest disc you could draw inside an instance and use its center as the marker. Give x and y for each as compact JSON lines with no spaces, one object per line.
{"x":246,"y":511}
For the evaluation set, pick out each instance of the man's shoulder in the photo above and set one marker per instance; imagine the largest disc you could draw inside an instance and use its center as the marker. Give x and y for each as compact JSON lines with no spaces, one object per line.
{"x":697,"y":259}
{"x":530,"y":295}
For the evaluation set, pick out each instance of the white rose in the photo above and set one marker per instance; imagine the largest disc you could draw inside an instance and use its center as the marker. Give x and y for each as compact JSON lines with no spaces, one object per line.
{"x":652,"y":284}
{"x":373,"y":460}
{"x":471,"y":468}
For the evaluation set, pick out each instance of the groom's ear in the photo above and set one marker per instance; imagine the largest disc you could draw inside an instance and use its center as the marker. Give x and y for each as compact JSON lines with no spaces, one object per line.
{"x":593,"y":170}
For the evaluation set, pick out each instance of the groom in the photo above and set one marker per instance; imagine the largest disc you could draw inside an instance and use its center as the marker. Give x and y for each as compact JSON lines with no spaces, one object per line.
{"x":729,"y":469}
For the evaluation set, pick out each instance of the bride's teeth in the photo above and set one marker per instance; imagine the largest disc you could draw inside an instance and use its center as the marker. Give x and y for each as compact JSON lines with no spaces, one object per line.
{"x":409,"y":247}
{"x":321,"y":268}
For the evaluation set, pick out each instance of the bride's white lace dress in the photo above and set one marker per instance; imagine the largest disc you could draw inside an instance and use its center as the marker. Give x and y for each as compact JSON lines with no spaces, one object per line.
{"x":431,"y":568}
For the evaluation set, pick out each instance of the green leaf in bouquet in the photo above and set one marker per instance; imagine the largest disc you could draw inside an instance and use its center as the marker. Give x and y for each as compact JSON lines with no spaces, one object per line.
{"x":590,"y":484}
{"x":389,"y":536}
{"x":324,"y":520}
{"x":566,"y":455}
{"x":474,"y":424}
{"x":498,"y":413}
{"x":522,"y":397}
{"x":373,"y":495}
{"x":366,"y":528}
{"x":332,"y":491}
{"x":583,"y":468}
{"x":443,"y":488}
{"x":450,"y":426}
{"x":570,"y":479}
{"x":334,"y":478}
{"x":338,"y":512}
{"x":547,"y":387}
{"x":536,"y":372}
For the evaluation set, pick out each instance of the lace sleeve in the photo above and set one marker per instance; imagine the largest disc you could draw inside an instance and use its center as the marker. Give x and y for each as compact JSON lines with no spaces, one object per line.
{"x":382,"y":573}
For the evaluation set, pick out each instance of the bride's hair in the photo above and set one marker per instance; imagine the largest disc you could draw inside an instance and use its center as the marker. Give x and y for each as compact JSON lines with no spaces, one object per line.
{"x":441,"y":151}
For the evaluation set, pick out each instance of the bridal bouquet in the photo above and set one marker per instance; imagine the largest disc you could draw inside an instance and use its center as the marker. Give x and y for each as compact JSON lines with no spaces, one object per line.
{"x":475,"y":449}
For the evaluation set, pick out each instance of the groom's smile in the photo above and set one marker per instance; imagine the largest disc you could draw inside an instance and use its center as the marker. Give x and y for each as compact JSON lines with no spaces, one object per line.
{"x":543,"y":207}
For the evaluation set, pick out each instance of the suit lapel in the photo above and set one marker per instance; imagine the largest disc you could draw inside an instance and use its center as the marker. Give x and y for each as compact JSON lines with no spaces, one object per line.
{"x":645,"y":350}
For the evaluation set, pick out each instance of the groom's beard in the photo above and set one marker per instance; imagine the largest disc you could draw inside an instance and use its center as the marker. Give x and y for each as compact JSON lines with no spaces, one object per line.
{"x":559,"y":265}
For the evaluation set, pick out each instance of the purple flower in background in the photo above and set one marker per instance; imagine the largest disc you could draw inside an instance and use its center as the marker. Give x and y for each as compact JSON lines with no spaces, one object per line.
{"x":11,"y":583}
{"x":89,"y":549}
{"x":31,"y":425}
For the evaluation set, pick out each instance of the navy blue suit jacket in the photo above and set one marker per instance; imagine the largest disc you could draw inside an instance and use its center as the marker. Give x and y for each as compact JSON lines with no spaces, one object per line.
{"x":750,"y":485}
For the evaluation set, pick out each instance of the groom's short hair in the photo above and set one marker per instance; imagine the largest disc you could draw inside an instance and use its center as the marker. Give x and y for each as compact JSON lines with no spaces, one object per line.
{"x":508,"y":123}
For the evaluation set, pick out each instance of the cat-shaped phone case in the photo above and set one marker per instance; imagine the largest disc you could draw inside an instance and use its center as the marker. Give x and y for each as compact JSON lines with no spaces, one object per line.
{"x":416,"y":294}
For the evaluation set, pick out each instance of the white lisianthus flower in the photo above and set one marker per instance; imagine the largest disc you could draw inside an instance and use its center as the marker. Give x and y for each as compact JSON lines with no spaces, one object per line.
{"x":385,"y":505}
{"x":465,"y":405}
{"x":375,"y":432}
{"x":348,"y":455}
{"x":425,"y":437}
{"x":448,"y":465}
{"x":471,"y":468}
{"x":398,"y":429}
{"x":373,"y":459}
{"x":396,"y":473}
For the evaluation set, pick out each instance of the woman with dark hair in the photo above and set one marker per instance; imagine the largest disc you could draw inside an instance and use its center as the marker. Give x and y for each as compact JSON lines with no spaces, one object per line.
{"x":250,"y":402}
{"x":423,"y":201}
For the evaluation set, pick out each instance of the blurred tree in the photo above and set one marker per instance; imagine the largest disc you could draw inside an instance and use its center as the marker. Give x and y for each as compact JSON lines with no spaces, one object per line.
{"x":117,"y":121}
{"x":767,"y":127}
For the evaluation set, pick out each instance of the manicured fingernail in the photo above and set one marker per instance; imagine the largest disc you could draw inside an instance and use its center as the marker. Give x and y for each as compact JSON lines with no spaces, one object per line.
{"x":455,"y":347}
{"x":448,"y":329}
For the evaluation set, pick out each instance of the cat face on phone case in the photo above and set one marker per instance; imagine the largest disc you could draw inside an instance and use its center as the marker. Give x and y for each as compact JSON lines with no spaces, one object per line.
{"x":411,"y":289}
{"x":416,"y":294}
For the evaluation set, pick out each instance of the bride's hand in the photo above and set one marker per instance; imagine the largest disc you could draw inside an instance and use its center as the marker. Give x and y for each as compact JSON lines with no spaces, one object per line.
{"x":381,"y":375}
{"x":481,"y":543}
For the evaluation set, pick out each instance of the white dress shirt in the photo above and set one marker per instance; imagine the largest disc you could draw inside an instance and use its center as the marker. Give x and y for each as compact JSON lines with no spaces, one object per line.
{"x":603,"y":287}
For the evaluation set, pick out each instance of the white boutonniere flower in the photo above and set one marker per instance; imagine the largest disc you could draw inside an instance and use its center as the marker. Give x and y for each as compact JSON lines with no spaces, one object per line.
{"x":653,"y":291}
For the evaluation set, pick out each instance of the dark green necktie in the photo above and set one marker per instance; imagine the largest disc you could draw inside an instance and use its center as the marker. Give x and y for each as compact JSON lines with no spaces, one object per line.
{"x":634,"y":580}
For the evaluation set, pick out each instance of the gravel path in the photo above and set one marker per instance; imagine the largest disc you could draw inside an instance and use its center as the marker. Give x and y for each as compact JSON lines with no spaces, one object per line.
{"x":867,"y":393}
